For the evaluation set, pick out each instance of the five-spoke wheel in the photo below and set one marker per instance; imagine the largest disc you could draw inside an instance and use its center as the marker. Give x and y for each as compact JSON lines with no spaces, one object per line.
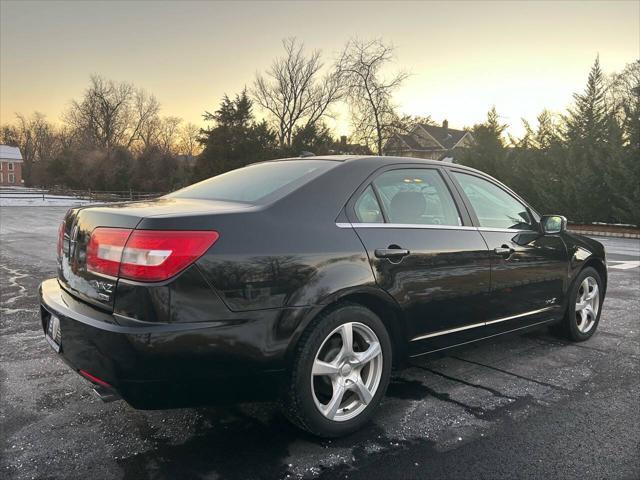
{"x":583,"y":309}
{"x":587,"y":304}
{"x":340,"y":371}
{"x":346,"y":371}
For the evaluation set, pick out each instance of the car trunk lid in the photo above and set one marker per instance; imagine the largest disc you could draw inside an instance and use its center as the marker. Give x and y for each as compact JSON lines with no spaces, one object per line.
{"x":79,"y":223}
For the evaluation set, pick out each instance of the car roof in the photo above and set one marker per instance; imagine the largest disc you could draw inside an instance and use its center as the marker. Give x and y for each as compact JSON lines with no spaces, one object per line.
{"x":380,"y":160}
{"x":376,"y":161}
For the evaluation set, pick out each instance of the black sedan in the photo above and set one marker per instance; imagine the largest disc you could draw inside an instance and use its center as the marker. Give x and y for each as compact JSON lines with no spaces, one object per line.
{"x":308,"y":279}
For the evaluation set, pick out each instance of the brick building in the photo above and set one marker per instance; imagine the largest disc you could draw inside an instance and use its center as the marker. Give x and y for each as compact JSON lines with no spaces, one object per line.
{"x":10,"y":166}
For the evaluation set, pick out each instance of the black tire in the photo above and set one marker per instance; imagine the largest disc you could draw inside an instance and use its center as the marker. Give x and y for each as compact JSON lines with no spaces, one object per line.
{"x":297,"y":401}
{"x":568,"y":327}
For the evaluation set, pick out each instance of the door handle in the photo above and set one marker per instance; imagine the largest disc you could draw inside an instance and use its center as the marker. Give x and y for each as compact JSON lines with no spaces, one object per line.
{"x":503,"y":251}
{"x":392,"y":253}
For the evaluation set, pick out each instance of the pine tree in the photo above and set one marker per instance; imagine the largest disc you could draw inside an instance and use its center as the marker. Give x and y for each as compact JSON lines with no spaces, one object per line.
{"x":593,"y":180}
{"x":489,"y":152}
{"x":235,"y":140}
{"x":588,"y":120}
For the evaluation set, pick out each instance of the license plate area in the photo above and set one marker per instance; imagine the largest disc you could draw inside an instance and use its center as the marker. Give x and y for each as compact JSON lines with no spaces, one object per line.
{"x":52,"y":330}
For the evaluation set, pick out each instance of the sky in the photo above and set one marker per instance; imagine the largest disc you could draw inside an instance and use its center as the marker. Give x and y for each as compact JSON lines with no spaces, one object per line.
{"x":463,"y":57}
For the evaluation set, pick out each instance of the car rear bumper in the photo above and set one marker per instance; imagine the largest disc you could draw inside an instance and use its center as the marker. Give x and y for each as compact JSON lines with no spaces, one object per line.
{"x":157,"y":365}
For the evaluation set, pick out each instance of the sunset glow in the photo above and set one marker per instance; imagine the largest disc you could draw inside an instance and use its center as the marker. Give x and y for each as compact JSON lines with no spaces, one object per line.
{"x":463,"y":57}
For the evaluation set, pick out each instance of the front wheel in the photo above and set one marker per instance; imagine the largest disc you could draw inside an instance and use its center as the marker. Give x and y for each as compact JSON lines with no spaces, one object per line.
{"x":583,"y":311}
{"x":340,"y":372}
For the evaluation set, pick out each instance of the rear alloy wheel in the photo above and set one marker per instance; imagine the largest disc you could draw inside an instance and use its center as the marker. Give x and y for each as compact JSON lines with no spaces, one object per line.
{"x":340,"y":373}
{"x":347,"y":371}
{"x":583,"y":312}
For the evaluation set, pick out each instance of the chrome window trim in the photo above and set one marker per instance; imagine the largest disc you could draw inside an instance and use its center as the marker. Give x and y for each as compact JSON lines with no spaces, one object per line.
{"x":504,"y":230}
{"x":404,"y":225}
{"x":476,"y":325}
{"x":428,"y":226}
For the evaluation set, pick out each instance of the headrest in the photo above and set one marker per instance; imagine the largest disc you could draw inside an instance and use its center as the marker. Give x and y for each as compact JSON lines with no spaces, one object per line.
{"x":407,"y":207}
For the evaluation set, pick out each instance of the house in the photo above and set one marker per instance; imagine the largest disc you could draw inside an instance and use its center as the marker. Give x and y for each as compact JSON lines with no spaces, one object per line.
{"x":346,"y":148}
{"x":10,"y":165}
{"x":430,"y":142}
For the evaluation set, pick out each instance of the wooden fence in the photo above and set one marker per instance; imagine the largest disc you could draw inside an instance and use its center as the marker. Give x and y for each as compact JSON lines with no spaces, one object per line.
{"x":90,"y":195}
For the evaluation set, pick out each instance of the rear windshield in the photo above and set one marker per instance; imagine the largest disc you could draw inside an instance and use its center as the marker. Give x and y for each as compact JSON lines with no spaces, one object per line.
{"x":260,"y":183}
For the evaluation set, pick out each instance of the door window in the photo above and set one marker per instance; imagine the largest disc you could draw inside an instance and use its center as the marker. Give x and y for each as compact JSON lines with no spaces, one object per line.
{"x":494,"y":207}
{"x":416,"y":196}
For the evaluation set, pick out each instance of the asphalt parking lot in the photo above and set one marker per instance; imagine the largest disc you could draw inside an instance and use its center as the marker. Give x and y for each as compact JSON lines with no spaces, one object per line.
{"x":527,"y":406}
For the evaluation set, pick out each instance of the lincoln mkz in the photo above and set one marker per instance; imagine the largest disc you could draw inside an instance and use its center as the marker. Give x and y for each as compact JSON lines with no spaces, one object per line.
{"x":308,"y":280}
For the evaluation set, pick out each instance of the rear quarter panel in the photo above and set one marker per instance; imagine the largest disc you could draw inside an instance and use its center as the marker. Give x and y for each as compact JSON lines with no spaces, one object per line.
{"x":271,"y":262}
{"x":291,"y":253}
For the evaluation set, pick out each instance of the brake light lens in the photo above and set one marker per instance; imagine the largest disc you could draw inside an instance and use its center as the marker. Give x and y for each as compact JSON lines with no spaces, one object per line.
{"x":105,"y":248}
{"x":145,"y":255}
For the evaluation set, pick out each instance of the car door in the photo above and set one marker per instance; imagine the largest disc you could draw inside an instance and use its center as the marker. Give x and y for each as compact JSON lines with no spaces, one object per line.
{"x":528,"y":269}
{"x":425,"y":253}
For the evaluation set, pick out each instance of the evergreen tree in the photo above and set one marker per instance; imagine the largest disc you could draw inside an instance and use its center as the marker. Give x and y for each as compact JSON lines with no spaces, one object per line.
{"x":313,"y":138}
{"x":625,"y":95}
{"x":594,"y":140}
{"x":489,"y":152}
{"x":587,"y":121}
{"x":235,"y":140}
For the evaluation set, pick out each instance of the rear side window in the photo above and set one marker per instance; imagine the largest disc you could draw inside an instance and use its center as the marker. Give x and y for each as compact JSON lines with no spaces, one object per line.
{"x":367,"y":207}
{"x":258,"y":183}
{"x":494,"y":207}
{"x":416,"y":196}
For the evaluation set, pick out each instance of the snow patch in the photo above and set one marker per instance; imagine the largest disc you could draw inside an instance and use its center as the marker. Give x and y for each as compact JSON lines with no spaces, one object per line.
{"x":40,"y":201}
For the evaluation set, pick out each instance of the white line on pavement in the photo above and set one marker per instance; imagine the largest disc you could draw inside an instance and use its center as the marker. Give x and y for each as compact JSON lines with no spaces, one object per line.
{"x":624,"y":265}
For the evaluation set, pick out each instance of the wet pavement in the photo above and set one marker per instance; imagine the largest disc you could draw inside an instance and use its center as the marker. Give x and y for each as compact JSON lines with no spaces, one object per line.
{"x":525,"y":406}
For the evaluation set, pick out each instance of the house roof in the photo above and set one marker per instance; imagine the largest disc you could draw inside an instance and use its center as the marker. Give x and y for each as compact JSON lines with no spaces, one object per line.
{"x":10,"y":153}
{"x":447,"y":137}
{"x":411,"y":142}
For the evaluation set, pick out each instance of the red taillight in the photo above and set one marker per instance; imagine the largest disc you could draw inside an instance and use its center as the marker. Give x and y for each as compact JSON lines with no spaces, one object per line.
{"x":105,"y":248}
{"x":152,"y":255}
{"x":145,"y":255}
{"x":60,"y":245}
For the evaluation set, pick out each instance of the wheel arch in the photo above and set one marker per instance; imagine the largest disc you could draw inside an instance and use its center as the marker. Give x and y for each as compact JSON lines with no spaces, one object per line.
{"x":599,"y":266}
{"x":372,"y":298}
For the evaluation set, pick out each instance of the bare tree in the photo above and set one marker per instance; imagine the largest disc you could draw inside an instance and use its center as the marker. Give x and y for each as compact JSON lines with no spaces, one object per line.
{"x":36,"y":138}
{"x":168,"y":134}
{"x":39,"y":141}
{"x":189,"y":139}
{"x":623,"y":96}
{"x":624,"y":87}
{"x":369,"y":94}
{"x":111,"y":114}
{"x":148,"y":134}
{"x":145,"y":112}
{"x":293,"y":91}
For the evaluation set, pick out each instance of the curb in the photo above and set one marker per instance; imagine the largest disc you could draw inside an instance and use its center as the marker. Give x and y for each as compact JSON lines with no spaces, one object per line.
{"x":605,"y":234}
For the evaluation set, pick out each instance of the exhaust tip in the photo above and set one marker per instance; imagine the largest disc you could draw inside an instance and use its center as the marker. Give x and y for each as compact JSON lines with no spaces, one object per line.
{"x":106,"y":394}
{"x":102,"y":389}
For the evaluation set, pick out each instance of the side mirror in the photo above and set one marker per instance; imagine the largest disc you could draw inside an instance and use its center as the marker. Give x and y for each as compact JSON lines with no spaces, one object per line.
{"x":553,"y":224}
